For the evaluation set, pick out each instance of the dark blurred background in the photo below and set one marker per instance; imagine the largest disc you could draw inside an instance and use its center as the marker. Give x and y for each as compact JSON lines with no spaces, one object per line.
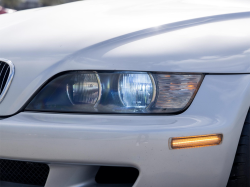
{"x":27,"y":4}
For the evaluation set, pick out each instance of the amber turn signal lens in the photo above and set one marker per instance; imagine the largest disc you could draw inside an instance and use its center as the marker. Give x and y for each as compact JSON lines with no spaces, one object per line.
{"x":196,"y":141}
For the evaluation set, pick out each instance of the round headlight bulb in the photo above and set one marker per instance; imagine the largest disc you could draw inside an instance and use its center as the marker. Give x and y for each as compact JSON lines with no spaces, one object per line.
{"x":84,"y":89}
{"x":136,"y":90}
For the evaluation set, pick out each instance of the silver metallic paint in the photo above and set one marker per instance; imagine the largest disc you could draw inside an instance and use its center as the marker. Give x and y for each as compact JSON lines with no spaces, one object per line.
{"x":70,"y":175}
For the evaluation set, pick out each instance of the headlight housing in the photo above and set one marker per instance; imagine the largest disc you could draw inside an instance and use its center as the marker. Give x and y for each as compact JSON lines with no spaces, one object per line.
{"x":117,"y":92}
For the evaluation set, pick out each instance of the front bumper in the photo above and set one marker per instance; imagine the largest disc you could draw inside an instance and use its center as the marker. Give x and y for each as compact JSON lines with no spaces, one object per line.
{"x":75,"y":140}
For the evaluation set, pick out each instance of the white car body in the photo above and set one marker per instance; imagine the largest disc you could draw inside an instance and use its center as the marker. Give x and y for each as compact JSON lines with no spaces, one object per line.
{"x":190,"y":36}
{"x":8,"y":10}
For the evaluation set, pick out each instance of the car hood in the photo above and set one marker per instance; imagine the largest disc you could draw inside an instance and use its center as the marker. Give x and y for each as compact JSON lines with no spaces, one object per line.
{"x":209,"y":36}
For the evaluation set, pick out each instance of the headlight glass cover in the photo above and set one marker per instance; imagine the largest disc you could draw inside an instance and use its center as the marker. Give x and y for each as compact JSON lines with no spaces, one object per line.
{"x":117,"y":92}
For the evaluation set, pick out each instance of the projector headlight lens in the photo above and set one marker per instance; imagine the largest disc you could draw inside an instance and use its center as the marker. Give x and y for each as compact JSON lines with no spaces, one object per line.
{"x":84,"y":88}
{"x":117,"y":92}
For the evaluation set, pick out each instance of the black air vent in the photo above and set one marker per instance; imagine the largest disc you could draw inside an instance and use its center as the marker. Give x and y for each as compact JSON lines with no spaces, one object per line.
{"x":23,"y":172}
{"x":4,"y":74}
{"x":116,"y":175}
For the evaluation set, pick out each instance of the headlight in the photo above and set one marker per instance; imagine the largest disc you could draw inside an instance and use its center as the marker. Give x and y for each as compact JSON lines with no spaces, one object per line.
{"x":117,"y":92}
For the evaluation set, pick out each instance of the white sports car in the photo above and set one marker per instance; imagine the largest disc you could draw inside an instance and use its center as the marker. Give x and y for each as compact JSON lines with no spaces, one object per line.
{"x":142,"y":93}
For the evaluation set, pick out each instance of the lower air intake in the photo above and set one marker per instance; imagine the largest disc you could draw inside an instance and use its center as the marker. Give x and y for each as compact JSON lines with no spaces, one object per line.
{"x":116,"y":176}
{"x":23,"y":172}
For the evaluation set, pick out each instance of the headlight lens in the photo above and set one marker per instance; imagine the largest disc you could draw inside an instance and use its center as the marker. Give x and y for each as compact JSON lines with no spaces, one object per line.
{"x":83,"y":88}
{"x":117,"y":92}
{"x":136,"y":90}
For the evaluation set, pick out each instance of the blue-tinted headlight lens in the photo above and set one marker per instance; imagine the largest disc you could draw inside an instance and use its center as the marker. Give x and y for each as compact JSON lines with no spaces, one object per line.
{"x":136,"y":90}
{"x":117,"y":92}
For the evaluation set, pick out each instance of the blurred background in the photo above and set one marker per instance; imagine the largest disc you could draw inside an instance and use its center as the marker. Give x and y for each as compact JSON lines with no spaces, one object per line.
{"x":9,"y":6}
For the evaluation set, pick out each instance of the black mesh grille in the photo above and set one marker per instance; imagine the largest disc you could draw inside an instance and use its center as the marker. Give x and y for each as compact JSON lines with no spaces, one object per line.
{"x":23,"y":172}
{"x":4,"y":74}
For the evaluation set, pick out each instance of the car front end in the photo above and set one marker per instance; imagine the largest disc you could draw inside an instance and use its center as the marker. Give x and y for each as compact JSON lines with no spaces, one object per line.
{"x":157,"y":91}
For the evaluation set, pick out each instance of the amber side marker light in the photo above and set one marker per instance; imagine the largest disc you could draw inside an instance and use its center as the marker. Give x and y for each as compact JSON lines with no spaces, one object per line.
{"x":195,"y":141}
